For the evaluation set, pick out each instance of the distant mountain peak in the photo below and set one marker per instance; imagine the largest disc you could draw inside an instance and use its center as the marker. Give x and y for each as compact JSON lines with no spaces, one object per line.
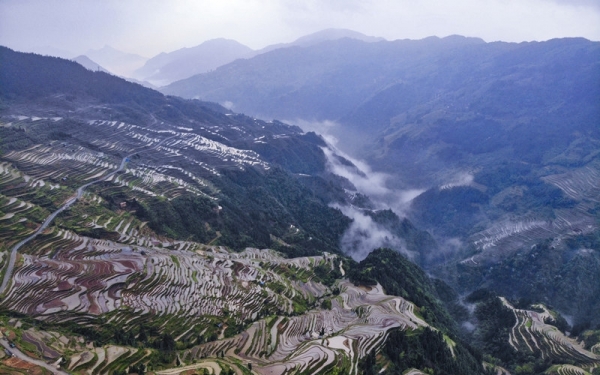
{"x":222,"y":41}
{"x":463,"y":39}
{"x":89,"y":64}
{"x":334,"y":34}
{"x":323,"y":36}
{"x":107,"y":49}
{"x":165,"y":68}
{"x":119,"y":62}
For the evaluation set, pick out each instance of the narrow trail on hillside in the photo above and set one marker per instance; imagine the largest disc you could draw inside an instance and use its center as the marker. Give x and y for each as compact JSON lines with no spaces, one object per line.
{"x":52,"y":216}
{"x":19,"y":354}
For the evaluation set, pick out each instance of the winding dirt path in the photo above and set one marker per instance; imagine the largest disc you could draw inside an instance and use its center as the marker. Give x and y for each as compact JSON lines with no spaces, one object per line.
{"x":19,"y":354}
{"x":52,"y":216}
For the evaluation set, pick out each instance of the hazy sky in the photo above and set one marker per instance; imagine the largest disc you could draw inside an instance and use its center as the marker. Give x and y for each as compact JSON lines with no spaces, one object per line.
{"x":148,"y":27}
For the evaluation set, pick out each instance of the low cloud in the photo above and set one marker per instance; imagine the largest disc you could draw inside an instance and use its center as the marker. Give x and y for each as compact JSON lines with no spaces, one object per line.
{"x":364,"y":235}
{"x":470,"y":327}
{"x":366,"y":181}
{"x":227,"y":104}
{"x":323,"y":128}
{"x":446,"y":249}
{"x":370,"y":183}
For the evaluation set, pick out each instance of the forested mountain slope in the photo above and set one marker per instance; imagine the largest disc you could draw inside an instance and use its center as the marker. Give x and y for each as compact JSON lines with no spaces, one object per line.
{"x":180,"y":236}
{"x":429,"y":105}
{"x":504,"y":139}
{"x":154,"y":209}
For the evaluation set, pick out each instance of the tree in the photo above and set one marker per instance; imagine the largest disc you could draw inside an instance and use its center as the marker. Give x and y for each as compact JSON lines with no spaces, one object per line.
{"x":142,"y":337}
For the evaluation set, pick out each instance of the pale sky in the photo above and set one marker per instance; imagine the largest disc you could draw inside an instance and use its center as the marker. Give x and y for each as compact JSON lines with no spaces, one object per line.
{"x":148,"y":27}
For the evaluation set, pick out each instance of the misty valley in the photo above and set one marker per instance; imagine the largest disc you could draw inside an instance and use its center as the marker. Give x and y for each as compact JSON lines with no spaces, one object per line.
{"x":338,"y":205}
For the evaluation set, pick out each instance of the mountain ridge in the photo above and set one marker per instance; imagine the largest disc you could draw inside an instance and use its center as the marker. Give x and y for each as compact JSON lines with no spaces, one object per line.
{"x":159,"y":260}
{"x":185,"y":62}
{"x":189,"y":189}
{"x":118,"y":62}
{"x":87,"y":63}
{"x":503,"y":138}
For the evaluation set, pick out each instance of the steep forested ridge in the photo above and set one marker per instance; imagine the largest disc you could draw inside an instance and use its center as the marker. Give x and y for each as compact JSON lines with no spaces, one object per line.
{"x":425,"y":348}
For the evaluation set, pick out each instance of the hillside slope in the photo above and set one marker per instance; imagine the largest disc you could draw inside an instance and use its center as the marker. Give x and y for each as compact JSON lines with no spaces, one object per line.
{"x":503,"y":138}
{"x":153,"y":208}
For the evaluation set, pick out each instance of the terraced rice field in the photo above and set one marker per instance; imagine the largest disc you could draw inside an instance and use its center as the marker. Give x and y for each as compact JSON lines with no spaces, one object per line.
{"x":83,"y":358}
{"x":357,"y":323}
{"x":566,"y":370}
{"x":54,"y":163}
{"x":80,"y":165}
{"x":181,"y":159}
{"x":92,"y":277}
{"x":167,"y":161}
{"x":582,"y":185}
{"x":532,"y":334}
{"x":24,"y":203}
{"x":64,"y":276}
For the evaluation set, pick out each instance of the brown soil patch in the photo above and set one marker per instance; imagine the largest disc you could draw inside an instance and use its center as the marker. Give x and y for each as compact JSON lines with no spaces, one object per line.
{"x":18,"y":363}
{"x":11,"y":335}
